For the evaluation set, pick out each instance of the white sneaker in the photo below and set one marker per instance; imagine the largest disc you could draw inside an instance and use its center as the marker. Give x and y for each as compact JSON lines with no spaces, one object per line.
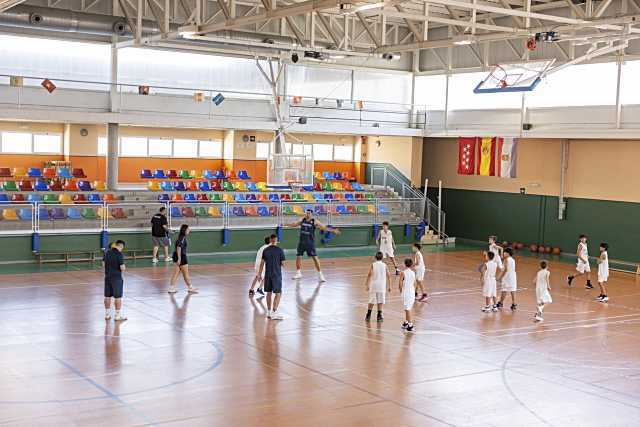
{"x":107,"y":316}
{"x":154,"y":261}
{"x":268,"y":314}
{"x":172,"y":290}
{"x":276,"y":316}
{"x":321,"y":277}
{"x":120,"y":318}
{"x":486,"y":309}
{"x":537,"y":318}
{"x":168,"y":259}
{"x":192,"y":290}
{"x":298,"y":275}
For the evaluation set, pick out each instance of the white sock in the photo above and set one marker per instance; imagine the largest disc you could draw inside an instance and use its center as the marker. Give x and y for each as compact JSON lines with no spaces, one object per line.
{"x":117,"y":312}
{"x":107,"y":311}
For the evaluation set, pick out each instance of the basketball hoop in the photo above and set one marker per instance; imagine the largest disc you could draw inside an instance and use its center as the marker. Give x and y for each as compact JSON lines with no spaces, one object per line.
{"x":514,"y":77}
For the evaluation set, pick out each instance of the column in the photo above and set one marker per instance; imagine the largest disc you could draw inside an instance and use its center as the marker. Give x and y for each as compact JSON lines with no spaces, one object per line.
{"x":112,"y":155}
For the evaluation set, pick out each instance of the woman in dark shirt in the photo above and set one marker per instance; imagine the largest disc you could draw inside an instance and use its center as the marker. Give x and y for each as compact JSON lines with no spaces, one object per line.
{"x":180,"y":262}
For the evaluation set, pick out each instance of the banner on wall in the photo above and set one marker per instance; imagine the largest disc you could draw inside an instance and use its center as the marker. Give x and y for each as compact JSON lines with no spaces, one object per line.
{"x":486,"y":163}
{"x":508,"y":156}
{"x":466,"y":156}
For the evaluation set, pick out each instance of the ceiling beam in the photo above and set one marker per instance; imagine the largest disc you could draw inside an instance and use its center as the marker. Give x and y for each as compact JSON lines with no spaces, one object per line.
{"x":368,"y":29}
{"x":8,"y":4}
{"x":327,"y":26}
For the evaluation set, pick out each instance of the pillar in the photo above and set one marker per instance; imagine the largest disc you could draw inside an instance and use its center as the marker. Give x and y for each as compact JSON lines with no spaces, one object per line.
{"x":112,"y":155}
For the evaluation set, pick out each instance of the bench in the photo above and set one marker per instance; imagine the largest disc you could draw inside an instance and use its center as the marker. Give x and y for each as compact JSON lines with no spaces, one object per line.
{"x":89,"y":255}
{"x":624,"y":266}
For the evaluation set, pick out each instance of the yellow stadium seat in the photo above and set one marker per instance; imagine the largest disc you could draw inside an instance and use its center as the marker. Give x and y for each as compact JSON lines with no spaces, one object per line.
{"x":318,"y":176}
{"x":153,"y":186}
{"x":214,"y":211}
{"x":104,"y":213}
{"x":337,"y":186}
{"x":262,"y":186}
{"x":309,"y":197}
{"x":99,"y":186}
{"x":195,"y":174}
{"x":240,"y":186}
{"x":9,"y":215}
{"x":297,"y":209}
{"x":228,"y":197}
{"x":64,"y":198}
{"x":371,"y":209}
{"x":18,"y":172}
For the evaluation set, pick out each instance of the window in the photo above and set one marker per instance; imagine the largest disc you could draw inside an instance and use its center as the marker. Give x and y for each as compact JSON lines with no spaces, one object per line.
{"x":210,"y":149}
{"x":461,"y":96}
{"x":15,"y":142}
{"x":302,"y":149}
{"x":343,"y":152}
{"x":160,"y":147}
{"x":262,"y":150}
{"x":322,"y":152}
{"x":47,"y":144}
{"x":431,"y":91}
{"x":133,"y":146}
{"x":185,"y":148}
{"x":102,"y":146}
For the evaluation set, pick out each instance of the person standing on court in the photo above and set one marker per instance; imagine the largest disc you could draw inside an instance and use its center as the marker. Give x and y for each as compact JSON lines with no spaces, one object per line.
{"x":181,"y":262}
{"x":272,"y":263}
{"x":160,"y":235}
{"x":113,"y":263}
{"x":308,"y":225}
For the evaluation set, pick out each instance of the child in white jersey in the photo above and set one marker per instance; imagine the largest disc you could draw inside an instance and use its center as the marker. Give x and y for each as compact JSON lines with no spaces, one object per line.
{"x":603,"y":271}
{"x":258,"y":278}
{"x":386,"y":245}
{"x":420,"y":269}
{"x":407,"y":290}
{"x":497,"y":251}
{"x":582,"y":267}
{"x":508,"y":280}
{"x":489,"y":284}
{"x":543,"y":287}
{"x":377,"y":284}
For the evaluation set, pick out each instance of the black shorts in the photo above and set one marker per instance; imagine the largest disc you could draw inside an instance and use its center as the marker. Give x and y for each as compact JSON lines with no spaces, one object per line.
{"x":273,"y":284}
{"x":183,"y":259}
{"x":308,"y":247}
{"x":113,"y":287}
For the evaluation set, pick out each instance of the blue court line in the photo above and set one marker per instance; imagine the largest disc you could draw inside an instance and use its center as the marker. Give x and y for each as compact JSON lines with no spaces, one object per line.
{"x":108,"y":393}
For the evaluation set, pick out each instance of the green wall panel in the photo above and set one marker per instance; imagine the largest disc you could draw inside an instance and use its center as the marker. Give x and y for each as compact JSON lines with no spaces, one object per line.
{"x":15,"y":248}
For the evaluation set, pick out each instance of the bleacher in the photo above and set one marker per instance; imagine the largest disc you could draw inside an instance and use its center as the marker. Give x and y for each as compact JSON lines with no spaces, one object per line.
{"x":205,"y":200}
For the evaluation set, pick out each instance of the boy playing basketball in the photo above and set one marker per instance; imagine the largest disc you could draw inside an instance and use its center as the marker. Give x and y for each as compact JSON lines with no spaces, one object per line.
{"x":377,"y":284}
{"x":257,"y":278}
{"x":420,"y":269}
{"x":489,"y":283}
{"x":508,"y":280}
{"x":582,"y":266}
{"x":603,"y":271}
{"x":497,"y":251}
{"x":407,"y":288}
{"x":542,"y":290}
{"x":386,"y":244}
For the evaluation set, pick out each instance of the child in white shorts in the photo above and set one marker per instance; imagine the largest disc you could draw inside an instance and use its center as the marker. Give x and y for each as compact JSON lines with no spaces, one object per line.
{"x":543,"y":287}
{"x":508,"y":279}
{"x":489,"y":283}
{"x":386,"y":244}
{"x":603,"y":272}
{"x":420,"y":269}
{"x":407,"y":290}
{"x":377,"y":284}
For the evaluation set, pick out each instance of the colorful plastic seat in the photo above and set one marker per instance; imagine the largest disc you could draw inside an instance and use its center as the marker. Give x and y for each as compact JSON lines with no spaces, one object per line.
{"x":238,"y":211}
{"x":371,"y":209}
{"x":99,"y":186}
{"x":318,"y":196}
{"x":308,"y":197}
{"x":9,"y":214}
{"x":204,"y":186}
{"x":159,"y":174}
{"x":251,"y":186}
{"x":187,"y":212}
{"x":49,"y":173}
{"x":74,"y":213}
{"x":190,"y":197}
{"x":34,"y":173}
{"x":34,"y":198}
{"x":227,"y":186}
{"x":108,"y":198}
{"x":263,"y":211}
{"x":240,"y":186}
{"x":55,"y":185}
{"x":172,"y":174}
{"x":327,"y":175}
{"x":239,"y":198}
{"x":41,"y":185}
{"x":146,"y":174}
{"x":216,"y":197}
{"x":356,"y":186}
{"x":382,"y":209}
{"x":297,"y":197}
{"x":78,"y":173}
{"x":349,"y":196}
{"x":261,"y":197}
{"x":243,"y":174}
{"x":43,"y":214}
{"x":208,"y":174}
{"x":262,"y":186}
{"x":94,"y":198}
{"x":251,"y":211}
{"x":219,"y":174}
{"x":351,"y":210}
{"x":347,"y":186}
{"x":64,"y":173}
{"x":338,"y":196}
{"x":17,"y":198}
{"x":184,"y":174}
{"x":337,"y":186}
{"x":251,"y":197}
{"x":298,"y":210}
{"x":338,"y":176}
{"x":84,"y":186}
{"x":9,"y":186}
{"x":70,"y":185}
{"x":88,"y":213}
{"x":287,"y":210}
{"x":58,"y":213}
{"x":103,"y":213}
{"x":25,"y":186}
{"x":179,"y":186}
{"x":341,"y":210}
{"x":166,"y":186}
{"x":328,"y":196}
{"x":64,"y":198}
{"x":273,"y":210}
{"x":285,"y":197}
{"x":79,"y":198}
{"x":216,"y":186}
{"x":192,"y":186}
{"x":4,"y":198}
{"x":50,"y":199}
{"x":177,"y":197}
{"x":201,"y":212}
{"x":202,"y":198}
{"x":230,"y":175}
{"x":368,"y":196}
{"x":163,"y":198}
{"x":273,"y":197}
{"x":153,"y":186}
{"x":359,"y":196}
{"x":194,"y":174}
{"x":5,"y":173}
{"x":118,"y":213}
{"x":214,"y":211}
{"x":19,"y":172}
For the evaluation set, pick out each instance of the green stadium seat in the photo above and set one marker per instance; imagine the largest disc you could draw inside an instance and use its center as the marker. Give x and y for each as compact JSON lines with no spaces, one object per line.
{"x":10,"y":186}
{"x":89,"y":213}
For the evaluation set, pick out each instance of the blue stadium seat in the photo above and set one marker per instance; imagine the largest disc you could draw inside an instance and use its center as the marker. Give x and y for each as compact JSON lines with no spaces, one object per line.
{"x":41,"y":185}
{"x":43,"y":213}
{"x":318,"y":196}
{"x":251,"y":186}
{"x":219,"y":175}
{"x":33,"y":198}
{"x":240,"y":197}
{"x":74,"y":213}
{"x":251,"y":198}
{"x":34,"y":173}
{"x":163,"y":198}
{"x":190,"y":197}
{"x":179,"y":186}
{"x":204,"y":185}
{"x":383,"y":209}
{"x":328,"y":196}
{"x":243,"y":174}
{"x":84,"y":186}
{"x":64,"y":173}
{"x":166,"y":186}
{"x":238,"y":211}
{"x":356,"y":186}
{"x":273,"y":197}
{"x":337,"y":176}
{"x":207,"y":174}
{"x":159,"y":174}
{"x":263,"y":211}
{"x":94,"y":198}
{"x":58,"y":213}
{"x":342,"y":210}
{"x":146,"y":174}
{"x":320,"y":210}
{"x":4,"y":198}
{"x":327,"y":175}
{"x":348,"y":196}
{"x":175,"y":212}
{"x":25,"y":214}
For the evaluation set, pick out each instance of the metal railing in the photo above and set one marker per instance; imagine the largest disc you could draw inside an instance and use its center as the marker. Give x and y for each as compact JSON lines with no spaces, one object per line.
{"x":27,"y":218}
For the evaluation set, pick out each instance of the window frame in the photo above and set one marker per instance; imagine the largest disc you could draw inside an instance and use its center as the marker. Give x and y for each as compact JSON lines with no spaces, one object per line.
{"x":268,"y":150}
{"x":159,"y":156}
{"x":350,"y":160}
{"x":218,"y":141}
{"x":31,"y":150}
{"x":121,"y":140}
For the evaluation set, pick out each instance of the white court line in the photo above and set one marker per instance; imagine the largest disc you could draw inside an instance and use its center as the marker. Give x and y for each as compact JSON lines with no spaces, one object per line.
{"x":568,"y":322}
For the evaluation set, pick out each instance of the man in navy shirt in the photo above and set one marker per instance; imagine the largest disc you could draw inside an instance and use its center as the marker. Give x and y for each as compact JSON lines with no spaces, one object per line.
{"x":272,"y":263}
{"x":308,"y":225}
{"x":113,"y":262}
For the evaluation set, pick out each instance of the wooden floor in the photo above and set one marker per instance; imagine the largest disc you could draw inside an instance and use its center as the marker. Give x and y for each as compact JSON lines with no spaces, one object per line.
{"x":214,"y":360}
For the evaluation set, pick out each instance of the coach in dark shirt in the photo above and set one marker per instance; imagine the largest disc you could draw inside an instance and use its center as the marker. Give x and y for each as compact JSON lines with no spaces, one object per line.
{"x":272,"y":263}
{"x":160,"y":235}
{"x":113,"y":262}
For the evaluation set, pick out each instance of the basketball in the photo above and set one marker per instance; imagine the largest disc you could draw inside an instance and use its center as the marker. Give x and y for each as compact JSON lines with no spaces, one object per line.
{"x":520,"y":245}
{"x":505,"y":244}
{"x":541,"y":249}
{"x":556,"y":251}
{"x":548,"y":249}
{"x":533,"y":248}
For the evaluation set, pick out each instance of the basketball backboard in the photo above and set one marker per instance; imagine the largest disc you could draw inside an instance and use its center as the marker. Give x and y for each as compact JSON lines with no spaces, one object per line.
{"x":514,"y":77}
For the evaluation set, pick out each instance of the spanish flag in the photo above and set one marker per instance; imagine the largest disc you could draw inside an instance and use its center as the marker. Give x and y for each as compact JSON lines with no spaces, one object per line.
{"x":486,"y":158}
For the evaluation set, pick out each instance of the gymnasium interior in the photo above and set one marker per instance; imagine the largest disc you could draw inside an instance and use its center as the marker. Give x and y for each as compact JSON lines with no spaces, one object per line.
{"x":450,"y":120}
